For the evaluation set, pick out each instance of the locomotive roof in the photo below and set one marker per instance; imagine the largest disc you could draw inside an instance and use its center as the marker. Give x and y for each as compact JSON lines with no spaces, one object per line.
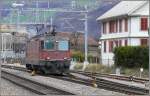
{"x":42,"y":36}
{"x":69,"y":36}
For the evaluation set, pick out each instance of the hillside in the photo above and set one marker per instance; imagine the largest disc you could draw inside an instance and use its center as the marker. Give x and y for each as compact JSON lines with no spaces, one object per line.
{"x":64,"y":22}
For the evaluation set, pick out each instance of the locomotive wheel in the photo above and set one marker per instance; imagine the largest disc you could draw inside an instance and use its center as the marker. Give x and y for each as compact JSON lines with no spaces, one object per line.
{"x":61,"y":73}
{"x":42,"y":72}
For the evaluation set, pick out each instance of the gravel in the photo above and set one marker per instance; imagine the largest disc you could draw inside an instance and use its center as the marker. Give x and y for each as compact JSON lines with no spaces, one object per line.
{"x":71,"y":87}
{"x":8,"y":88}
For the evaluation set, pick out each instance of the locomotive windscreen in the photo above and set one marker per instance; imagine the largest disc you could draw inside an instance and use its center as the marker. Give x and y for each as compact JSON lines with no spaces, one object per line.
{"x":63,"y":45}
{"x":53,"y":44}
{"x":49,"y":44}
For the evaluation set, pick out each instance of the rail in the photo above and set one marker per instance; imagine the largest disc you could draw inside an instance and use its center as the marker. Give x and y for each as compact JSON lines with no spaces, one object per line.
{"x":113,"y":76}
{"x":33,"y":86}
{"x":101,"y":83}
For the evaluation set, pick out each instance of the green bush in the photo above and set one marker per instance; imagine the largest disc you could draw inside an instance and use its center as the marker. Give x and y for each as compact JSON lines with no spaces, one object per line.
{"x":131,"y":56}
{"x":79,"y":56}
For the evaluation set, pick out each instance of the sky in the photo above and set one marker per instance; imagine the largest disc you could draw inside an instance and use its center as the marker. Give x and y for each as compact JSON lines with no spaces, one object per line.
{"x":32,"y":13}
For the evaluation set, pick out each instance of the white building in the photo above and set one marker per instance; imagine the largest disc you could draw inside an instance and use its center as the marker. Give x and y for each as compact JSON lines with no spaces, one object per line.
{"x":12,"y":45}
{"x":126,"y":24}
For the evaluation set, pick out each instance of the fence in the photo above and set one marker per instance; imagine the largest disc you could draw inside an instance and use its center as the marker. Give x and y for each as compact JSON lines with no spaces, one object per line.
{"x":96,"y":60}
{"x":90,"y":60}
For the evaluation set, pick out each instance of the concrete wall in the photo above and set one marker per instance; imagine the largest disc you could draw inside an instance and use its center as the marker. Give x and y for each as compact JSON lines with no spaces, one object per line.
{"x":136,"y":28}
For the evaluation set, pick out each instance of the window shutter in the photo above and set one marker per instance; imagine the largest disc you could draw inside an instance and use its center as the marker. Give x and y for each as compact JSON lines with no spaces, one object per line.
{"x":110,"y":46}
{"x":144,"y":23}
{"x":144,"y":42}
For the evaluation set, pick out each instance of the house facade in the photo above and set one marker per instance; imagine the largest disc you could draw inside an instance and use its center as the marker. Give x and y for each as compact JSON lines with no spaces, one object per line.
{"x":126,"y":24}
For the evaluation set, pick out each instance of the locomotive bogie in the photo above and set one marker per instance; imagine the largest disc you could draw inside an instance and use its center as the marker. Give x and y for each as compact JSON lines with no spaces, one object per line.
{"x":50,"y":67}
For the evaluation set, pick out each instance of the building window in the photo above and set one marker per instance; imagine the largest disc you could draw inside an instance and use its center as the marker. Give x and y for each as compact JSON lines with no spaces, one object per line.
{"x":126,"y":25}
{"x":126,"y":42}
{"x":144,"y":24}
{"x":104,"y":28}
{"x":110,"y":46}
{"x":120,"y":25}
{"x":144,"y":42}
{"x":120,"y":43}
{"x":104,"y":46}
{"x":111,"y":26}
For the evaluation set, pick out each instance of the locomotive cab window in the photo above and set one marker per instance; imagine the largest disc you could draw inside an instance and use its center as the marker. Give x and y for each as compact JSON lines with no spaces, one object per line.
{"x":42,"y":44}
{"x":63,"y":45}
{"x":49,"y":44}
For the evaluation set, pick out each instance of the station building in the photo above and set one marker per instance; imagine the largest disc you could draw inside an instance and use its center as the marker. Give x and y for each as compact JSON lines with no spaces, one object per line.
{"x":126,"y":24}
{"x":12,"y":42}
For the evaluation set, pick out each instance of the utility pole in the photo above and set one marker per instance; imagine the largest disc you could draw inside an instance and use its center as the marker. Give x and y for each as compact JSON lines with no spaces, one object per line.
{"x":149,"y":47}
{"x":51,"y":26}
{"x":1,"y":59}
{"x":149,"y":57}
{"x":37,"y":6}
{"x":86,"y":39}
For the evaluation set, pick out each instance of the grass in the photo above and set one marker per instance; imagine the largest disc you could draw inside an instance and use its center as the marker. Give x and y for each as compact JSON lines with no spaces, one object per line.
{"x":99,"y":68}
{"x":94,"y":68}
{"x":135,"y":72}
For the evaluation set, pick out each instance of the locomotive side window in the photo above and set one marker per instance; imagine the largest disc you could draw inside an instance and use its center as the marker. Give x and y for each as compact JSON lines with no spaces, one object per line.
{"x":42,"y":44}
{"x":63,"y":45}
{"x":49,"y":44}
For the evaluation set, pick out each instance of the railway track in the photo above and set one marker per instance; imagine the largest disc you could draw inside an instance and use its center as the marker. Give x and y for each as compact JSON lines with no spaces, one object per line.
{"x":119,"y":77}
{"x":101,"y":83}
{"x":118,"y":87}
{"x":33,"y":86}
{"x":109,"y":85}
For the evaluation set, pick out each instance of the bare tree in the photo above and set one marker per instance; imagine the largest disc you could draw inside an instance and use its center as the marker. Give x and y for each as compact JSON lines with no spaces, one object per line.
{"x":74,"y":40}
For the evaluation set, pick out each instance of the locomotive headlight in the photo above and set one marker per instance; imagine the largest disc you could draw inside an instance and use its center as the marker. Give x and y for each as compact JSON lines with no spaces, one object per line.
{"x":65,"y":58}
{"x":48,"y":58}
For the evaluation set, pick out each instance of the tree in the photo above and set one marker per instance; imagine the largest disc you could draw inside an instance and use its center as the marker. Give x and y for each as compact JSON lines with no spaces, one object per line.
{"x":131,"y":56}
{"x":75,"y":39}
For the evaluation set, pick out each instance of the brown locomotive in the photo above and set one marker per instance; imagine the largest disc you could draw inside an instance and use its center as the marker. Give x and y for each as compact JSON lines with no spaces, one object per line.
{"x":48,"y":53}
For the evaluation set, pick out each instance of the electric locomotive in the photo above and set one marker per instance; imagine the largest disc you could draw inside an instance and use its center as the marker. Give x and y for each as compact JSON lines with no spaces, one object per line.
{"x":48,"y":54}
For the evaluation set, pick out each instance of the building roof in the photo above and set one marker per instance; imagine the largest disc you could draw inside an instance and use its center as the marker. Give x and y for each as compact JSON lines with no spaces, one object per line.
{"x":12,"y":28}
{"x":122,"y":8}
